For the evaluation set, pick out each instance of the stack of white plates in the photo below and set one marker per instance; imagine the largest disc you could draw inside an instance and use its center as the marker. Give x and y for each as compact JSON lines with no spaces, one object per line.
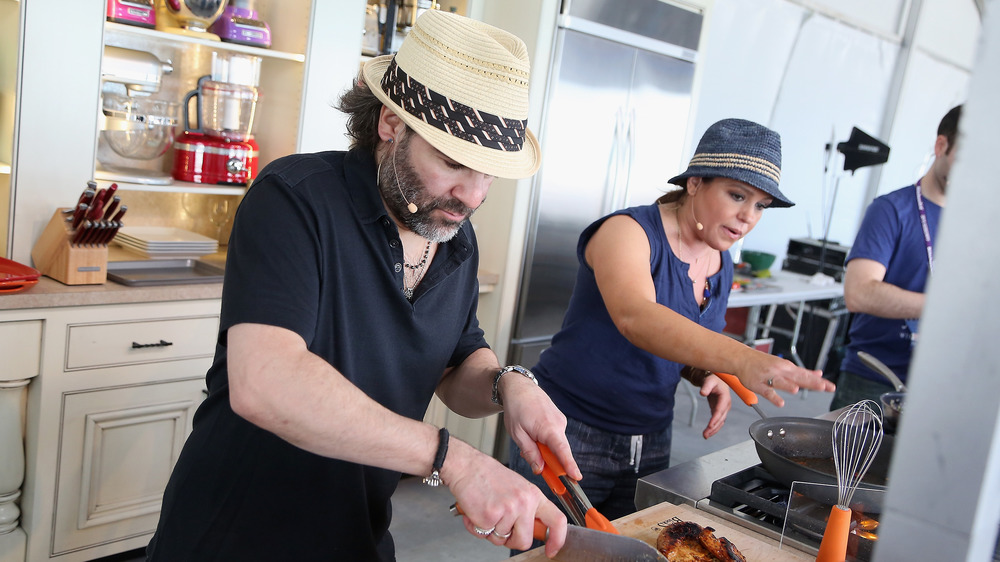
{"x":165,"y":242}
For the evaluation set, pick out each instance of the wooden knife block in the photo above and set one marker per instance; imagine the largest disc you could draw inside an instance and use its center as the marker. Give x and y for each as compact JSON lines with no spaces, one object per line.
{"x":56,"y":257}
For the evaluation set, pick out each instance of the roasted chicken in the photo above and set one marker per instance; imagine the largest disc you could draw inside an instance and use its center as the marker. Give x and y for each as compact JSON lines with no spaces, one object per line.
{"x":685,"y":541}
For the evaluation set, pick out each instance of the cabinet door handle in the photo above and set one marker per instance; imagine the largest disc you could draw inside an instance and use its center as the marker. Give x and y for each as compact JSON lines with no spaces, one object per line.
{"x":161,"y":343}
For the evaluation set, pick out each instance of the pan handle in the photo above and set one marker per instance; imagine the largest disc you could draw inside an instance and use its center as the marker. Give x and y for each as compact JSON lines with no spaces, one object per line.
{"x":746,"y":395}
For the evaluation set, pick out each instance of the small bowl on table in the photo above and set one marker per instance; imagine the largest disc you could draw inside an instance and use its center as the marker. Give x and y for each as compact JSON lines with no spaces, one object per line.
{"x":759,"y":261}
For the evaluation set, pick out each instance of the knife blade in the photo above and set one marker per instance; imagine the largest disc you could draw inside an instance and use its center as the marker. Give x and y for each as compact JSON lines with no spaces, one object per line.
{"x":589,"y":545}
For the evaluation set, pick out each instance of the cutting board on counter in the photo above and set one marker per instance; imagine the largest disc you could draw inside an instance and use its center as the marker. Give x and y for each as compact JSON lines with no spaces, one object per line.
{"x":645,"y":525}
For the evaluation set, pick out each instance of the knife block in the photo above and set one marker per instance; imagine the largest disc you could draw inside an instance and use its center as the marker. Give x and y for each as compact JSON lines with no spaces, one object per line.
{"x":56,"y":257}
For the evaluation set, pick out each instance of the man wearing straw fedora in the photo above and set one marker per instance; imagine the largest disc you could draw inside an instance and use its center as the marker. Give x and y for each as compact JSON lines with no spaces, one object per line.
{"x":349,"y":301}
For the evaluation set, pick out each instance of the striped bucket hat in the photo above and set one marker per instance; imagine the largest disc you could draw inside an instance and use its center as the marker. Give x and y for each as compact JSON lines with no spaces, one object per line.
{"x":741,"y":150}
{"x":462,"y":85}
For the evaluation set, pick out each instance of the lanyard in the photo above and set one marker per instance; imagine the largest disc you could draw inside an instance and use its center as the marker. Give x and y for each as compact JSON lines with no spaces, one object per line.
{"x":926,"y":229}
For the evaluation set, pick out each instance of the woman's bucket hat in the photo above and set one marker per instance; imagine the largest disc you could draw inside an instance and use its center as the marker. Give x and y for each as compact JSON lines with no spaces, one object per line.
{"x":462,"y":85}
{"x":741,"y":150}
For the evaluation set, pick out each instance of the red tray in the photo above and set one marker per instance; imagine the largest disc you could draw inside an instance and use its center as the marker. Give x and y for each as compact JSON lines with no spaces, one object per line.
{"x":16,"y":276}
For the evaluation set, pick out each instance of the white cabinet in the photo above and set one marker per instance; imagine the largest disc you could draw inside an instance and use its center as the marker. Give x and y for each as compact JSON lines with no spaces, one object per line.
{"x":112,"y":395}
{"x":117,"y":449}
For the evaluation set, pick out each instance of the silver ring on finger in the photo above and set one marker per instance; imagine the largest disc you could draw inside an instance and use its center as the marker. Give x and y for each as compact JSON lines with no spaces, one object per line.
{"x":484,"y":532}
{"x":770,"y":382}
{"x":501,"y":536}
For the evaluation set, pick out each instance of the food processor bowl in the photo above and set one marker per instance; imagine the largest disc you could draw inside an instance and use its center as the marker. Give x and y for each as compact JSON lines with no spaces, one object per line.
{"x":228,"y":110}
{"x":139,"y":128}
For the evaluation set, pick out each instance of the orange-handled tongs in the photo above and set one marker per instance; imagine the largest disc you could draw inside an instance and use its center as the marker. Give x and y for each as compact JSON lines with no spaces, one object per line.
{"x":571,"y":495}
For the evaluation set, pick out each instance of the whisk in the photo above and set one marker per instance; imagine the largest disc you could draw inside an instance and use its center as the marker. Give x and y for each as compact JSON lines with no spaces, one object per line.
{"x":857,"y":436}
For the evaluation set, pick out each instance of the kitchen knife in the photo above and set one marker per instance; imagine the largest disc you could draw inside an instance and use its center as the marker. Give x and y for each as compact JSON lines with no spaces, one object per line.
{"x":109,"y":193}
{"x":112,"y":206}
{"x":87,"y":196}
{"x":746,"y":395}
{"x":589,"y":545}
{"x":115,"y":224}
{"x":78,"y":214}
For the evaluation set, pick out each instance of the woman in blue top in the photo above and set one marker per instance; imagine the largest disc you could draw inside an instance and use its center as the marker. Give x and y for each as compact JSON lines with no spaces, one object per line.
{"x":647,"y":309}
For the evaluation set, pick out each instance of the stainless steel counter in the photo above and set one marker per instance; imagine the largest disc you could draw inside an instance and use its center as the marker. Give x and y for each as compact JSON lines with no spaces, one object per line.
{"x":689,"y":482}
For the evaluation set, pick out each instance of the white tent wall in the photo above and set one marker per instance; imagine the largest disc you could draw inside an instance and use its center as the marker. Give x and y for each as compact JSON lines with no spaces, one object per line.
{"x":813,"y":70}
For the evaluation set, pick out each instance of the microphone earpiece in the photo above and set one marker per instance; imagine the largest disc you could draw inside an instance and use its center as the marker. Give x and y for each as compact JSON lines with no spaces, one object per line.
{"x":409,"y":206}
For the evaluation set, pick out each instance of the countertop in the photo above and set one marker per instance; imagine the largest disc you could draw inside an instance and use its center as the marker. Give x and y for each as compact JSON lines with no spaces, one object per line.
{"x":49,"y":293}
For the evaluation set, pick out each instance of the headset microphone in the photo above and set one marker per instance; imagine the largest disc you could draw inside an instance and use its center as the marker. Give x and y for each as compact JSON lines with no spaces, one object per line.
{"x":409,"y":206}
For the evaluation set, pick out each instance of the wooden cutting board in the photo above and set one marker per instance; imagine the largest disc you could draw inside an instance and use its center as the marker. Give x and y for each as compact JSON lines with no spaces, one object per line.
{"x":645,"y":525}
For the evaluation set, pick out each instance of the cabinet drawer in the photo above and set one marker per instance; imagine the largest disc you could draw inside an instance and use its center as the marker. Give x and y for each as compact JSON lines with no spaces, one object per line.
{"x":140,"y":341}
{"x":21,"y":345}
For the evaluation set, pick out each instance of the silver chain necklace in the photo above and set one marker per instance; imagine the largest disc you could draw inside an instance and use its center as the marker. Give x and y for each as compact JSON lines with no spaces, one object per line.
{"x":418,"y":272}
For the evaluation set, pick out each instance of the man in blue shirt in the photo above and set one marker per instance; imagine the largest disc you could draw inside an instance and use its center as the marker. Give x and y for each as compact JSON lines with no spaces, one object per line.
{"x":887,"y":270}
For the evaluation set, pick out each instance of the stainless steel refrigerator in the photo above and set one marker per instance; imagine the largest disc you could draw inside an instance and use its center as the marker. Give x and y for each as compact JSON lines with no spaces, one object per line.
{"x":613,"y":131}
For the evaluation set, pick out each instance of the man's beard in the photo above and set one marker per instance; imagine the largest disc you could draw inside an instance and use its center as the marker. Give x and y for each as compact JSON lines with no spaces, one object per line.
{"x":398,"y":178}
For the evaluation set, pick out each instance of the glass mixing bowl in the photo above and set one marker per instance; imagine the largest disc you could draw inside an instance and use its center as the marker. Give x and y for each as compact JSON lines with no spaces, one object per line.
{"x":139,"y":127}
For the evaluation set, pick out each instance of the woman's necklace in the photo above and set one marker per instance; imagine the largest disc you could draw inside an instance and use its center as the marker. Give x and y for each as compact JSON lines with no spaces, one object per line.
{"x":707,"y":292}
{"x":416,"y":272}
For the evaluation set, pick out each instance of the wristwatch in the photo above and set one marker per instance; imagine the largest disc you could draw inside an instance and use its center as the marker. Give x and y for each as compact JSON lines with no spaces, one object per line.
{"x":496,"y":380}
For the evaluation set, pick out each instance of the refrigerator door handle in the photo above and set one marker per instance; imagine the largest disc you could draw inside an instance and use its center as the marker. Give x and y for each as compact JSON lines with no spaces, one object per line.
{"x":614,"y":165}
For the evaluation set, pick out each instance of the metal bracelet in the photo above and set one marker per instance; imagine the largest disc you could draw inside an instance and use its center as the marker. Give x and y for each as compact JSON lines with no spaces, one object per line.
{"x":496,"y":381}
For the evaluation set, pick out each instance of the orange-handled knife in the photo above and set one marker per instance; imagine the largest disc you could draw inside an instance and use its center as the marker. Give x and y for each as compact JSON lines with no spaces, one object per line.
{"x":590,"y":545}
{"x":746,"y":395}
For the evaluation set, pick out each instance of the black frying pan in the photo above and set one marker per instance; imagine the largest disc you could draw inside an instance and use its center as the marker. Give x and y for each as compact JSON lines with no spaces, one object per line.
{"x":801,"y":450}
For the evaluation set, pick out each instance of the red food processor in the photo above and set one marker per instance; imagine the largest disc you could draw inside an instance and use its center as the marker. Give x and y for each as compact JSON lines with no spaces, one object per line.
{"x":220,"y":148}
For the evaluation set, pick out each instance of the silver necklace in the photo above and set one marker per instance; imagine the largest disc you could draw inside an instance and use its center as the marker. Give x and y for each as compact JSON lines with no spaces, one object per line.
{"x":418,"y":272}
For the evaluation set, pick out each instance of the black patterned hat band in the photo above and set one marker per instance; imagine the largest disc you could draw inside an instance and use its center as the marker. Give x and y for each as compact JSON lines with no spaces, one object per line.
{"x":452,"y":117}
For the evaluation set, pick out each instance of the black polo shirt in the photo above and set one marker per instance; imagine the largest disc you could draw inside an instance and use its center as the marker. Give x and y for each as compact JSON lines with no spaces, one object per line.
{"x":314,"y":251}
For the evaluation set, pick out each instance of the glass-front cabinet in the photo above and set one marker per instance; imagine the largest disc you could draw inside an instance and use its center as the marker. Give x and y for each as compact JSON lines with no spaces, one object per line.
{"x":180,"y":113}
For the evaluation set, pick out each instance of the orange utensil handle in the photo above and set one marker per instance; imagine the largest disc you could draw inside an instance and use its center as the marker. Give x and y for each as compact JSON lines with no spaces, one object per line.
{"x":541,"y":532}
{"x":745,"y":394}
{"x":553,"y":472}
{"x":833,"y":547}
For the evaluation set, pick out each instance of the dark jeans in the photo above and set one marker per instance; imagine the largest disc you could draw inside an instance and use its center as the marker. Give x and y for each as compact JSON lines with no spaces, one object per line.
{"x":852,"y":388}
{"x":610,"y":470}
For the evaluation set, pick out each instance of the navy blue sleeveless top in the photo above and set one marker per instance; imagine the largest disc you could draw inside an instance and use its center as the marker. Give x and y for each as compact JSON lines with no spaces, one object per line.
{"x":597,"y":376}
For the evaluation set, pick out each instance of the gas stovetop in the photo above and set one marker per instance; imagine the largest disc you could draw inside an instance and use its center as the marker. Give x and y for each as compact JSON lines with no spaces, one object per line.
{"x":732,"y":485}
{"x":754,"y":499}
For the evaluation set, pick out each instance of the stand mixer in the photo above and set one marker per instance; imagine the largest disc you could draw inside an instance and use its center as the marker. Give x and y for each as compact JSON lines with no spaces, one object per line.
{"x":134,"y":125}
{"x":220,"y":148}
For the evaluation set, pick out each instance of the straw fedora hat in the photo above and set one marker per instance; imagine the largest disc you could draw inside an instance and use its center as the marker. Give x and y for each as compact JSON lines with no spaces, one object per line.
{"x":462,"y":85}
